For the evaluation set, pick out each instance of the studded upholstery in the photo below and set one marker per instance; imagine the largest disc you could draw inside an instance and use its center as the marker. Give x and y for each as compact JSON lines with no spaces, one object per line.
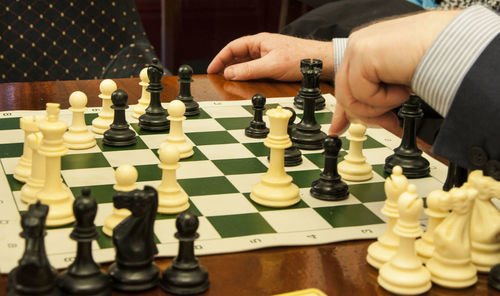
{"x":71,"y":39}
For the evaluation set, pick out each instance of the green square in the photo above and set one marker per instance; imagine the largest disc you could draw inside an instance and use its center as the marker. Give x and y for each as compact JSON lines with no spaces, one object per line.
{"x":106,"y":242}
{"x":211,"y":138}
{"x":192,"y":208}
{"x":148,"y":172}
{"x":11,"y":150}
{"x":379,"y":169}
{"x":198,"y":155}
{"x":89,"y":117}
{"x":207,"y":186}
{"x":370,"y":143}
{"x":101,"y":193}
{"x":202,"y":115}
{"x":240,"y":225}
{"x":368,"y":192}
{"x":319,"y":159}
{"x":234,"y":123}
{"x":249,"y":108}
{"x":258,"y":149}
{"x":240,"y":166}
{"x":321,"y":117}
{"x":139,"y":145}
{"x":300,"y":205}
{"x":9,"y":123}
{"x":348,"y":215}
{"x":142,"y":132}
{"x":83,"y":161}
{"x":13,"y":183}
{"x":304,"y":179}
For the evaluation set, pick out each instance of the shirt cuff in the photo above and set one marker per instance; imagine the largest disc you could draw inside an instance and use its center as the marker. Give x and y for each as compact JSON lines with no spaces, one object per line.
{"x":447,"y":61}
{"x":339,"y":45}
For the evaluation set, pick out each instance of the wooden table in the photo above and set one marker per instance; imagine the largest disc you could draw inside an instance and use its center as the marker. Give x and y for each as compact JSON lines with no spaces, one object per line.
{"x":336,"y":269}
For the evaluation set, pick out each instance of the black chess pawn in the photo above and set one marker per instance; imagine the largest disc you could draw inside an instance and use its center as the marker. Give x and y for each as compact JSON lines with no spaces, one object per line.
{"x":185,"y":75}
{"x":456,"y":176}
{"x":134,"y":269}
{"x":310,"y":87}
{"x":84,"y":276}
{"x":185,"y":276}
{"x":119,"y":133}
{"x":494,"y":277}
{"x":257,"y":128}
{"x":155,"y":118}
{"x":407,"y":155}
{"x":34,"y":275}
{"x":329,"y":186}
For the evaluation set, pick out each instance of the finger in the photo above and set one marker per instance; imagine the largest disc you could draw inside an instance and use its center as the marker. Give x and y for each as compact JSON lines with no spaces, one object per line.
{"x":242,"y":48}
{"x":340,"y":123}
{"x":388,"y":121}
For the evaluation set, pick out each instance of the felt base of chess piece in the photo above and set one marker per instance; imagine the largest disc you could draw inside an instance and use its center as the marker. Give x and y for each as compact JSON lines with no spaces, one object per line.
{"x":414,"y":166}
{"x":94,"y":284}
{"x":319,"y":103}
{"x":14,"y":288}
{"x":128,"y":279}
{"x":494,"y":277}
{"x":119,"y":137}
{"x":257,"y":130}
{"x":192,"y":107}
{"x":329,"y":189}
{"x":307,"y":138}
{"x":154,"y":122}
{"x":185,"y":279}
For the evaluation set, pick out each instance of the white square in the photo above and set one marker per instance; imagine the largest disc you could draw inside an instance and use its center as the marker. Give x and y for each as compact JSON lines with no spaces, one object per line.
{"x":21,"y":206}
{"x":62,"y":242}
{"x":384,"y":137}
{"x":154,"y":141}
{"x":218,"y":205}
{"x":304,"y":166}
{"x":244,"y":183}
{"x":377,"y":155}
{"x":198,"y":169}
{"x":202,"y":125}
{"x":225,"y":151}
{"x":11,"y":136}
{"x":293,"y":220}
{"x":242,"y":138}
{"x":426,"y":185}
{"x":9,"y":164}
{"x":227,"y":111}
{"x":376,"y":208}
{"x":89,"y":177}
{"x":103,"y":211}
{"x":165,"y":230}
{"x":318,"y":203}
{"x":132,"y":157}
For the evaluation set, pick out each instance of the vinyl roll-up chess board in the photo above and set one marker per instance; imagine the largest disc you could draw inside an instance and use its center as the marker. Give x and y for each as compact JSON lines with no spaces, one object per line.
{"x":218,"y":179}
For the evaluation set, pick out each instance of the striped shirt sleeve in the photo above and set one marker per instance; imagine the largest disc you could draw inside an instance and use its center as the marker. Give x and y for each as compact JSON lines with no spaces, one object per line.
{"x":445,"y":64}
{"x":339,"y":45}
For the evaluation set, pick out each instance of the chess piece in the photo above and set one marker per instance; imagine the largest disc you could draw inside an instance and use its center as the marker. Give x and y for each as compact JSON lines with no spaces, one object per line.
{"x":37,"y":178}
{"x":407,"y":155}
{"x":84,"y":276}
{"x":307,"y":133}
{"x":494,"y":277}
{"x":119,"y":133}
{"x":275,"y":188}
{"x":22,"y":171}
{"x":145,"y":98}
{"x":451,"y":265}
{"x":102,"y":123}
{"x":185,"y":276}
{"x":133,"y":238}
{"x":185,"y":75}
{"x":293,"y":156}
{"x":54,"y":193}
{"x":310,"y":87}
{"x":456,"y":176}
{"x":171,"y":198}
{"x":329,"y":186}
{"x":436,"y":211}
{"x":176,"y":136}
{"x":404,"y":274}
{"x":126,"y":178}
{"x":78,"y":135}
{"x":485,"y":222}
{"x":354,"y":166}
{"x":381,"y":251}
{"x":34,"y":275}
{"x":155,"y":118}
{"x":257,"y":128}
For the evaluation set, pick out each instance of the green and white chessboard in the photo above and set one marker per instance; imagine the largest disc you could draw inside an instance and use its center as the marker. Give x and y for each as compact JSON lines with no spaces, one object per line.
{"x":217,"y":178}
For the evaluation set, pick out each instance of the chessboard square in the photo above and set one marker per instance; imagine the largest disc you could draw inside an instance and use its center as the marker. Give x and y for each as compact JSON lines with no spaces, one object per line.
{"x":21,"y":206}
{"x":218,"y":205}
{"x":197,"y":169}
{"x":94,"y":149}
{"x":11,"y":136}
{"x":11,"y":150}
{"x":228,"y":111}
{"x":377,"y":155}
{"x":89,"y":117}
{"x":258,"y":149}
{"x":57,"y":241}
{"x":426,"y":185}
{"x":207,"y":186}
{"x":317,"y":158}
{"x":198,"y":155}
{"x":368,"y":192}
{"x":132,"y":157}
{"x":389,"y":140}
{"x":304,"y":166}
{"x":10,"y":123}
{"x":293,"y":220}
{"x":89,"y":177}
{"x":154,"y":141}
{"x":104,"y":210}
{"x":139,"y":145}
{"x":239,"y":134}
{"x":304,"y":179}
{"x":203,"y":115}
{"x":372,"y":143}
{"x":211,"y":138}
{"x":206,"y":125}
{"x":348,"y":215}
{"x":245,"y":182}
{"x":192,"y":208}
{"x":313,"y":202}
{"x":301,"y":204}
{"x":166,"y":229}
{"x":149,"y":172}
{"x":229,"y":151}
{"x":321,"y":117}
{"x":13,"y":183}
{"x":104,"y":241}
{"x":135,"y":126}
{"x":268,"y":106}
{"x":235,"y":122}
{"x":240,"y":225}
{"x":9,"y":164}
{"x":240,"y":166}
{"x":101,"y":193}
{"x":379,"y":169}
{"x":82,"y":161}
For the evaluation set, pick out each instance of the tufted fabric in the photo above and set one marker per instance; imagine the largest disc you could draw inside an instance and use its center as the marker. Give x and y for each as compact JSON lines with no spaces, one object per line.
{"x":77,"y":39}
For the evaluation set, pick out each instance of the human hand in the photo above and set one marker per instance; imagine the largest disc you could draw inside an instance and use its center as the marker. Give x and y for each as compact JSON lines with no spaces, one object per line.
{"x":271,"y":56}
{"x":378,"y":65}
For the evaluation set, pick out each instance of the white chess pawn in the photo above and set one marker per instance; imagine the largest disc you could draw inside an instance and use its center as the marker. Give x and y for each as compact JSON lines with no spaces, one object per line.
{"x":37,"y":178}
{"x":386,"y":245}
{"x":143,"y":102}
{"x":451,"y":265}
{"x":22,"y":171}
{"x":126,"y":178}
{"x":354,"y":166}
{"x":404,"y":274}
{"x":176,"y":137}
{"x":171,"y":198}
{"x":102,"y":123}
{"x":78,"y":135}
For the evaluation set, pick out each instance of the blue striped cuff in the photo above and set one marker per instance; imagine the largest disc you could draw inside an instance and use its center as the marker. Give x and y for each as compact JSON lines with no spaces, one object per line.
{"x":447,"y":61}
{"x":339,"y":45}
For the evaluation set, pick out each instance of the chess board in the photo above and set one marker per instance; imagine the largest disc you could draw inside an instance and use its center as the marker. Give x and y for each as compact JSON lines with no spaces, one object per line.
{"x":218,"y":179}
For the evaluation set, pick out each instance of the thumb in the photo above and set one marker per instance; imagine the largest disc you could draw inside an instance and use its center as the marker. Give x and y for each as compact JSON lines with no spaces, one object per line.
{"x":340,"y":123}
